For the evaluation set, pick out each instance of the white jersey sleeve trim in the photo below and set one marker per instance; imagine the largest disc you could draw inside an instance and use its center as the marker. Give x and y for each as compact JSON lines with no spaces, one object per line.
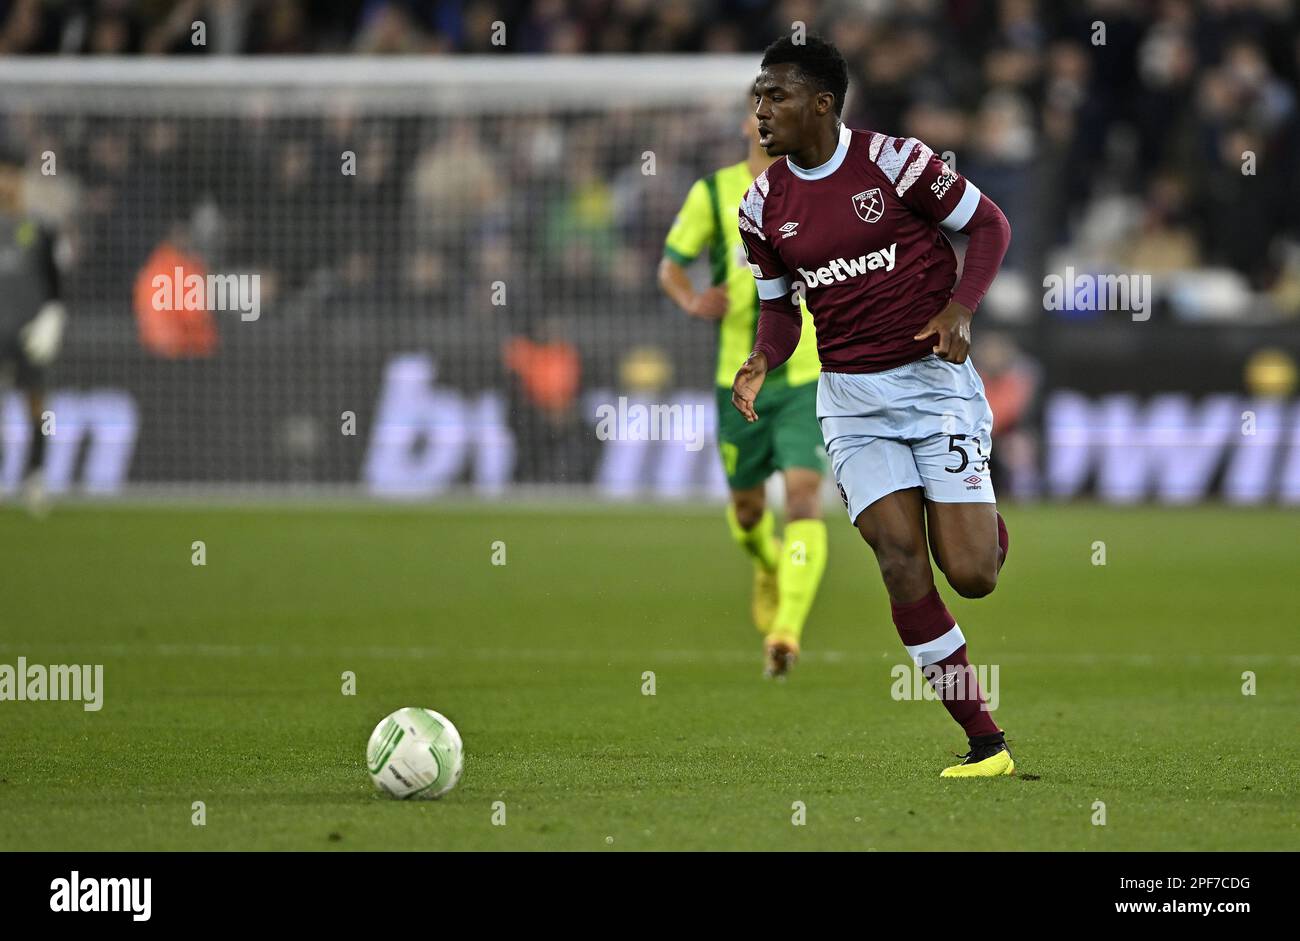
{"x":965,"y":208}
{"x":914,"y":170}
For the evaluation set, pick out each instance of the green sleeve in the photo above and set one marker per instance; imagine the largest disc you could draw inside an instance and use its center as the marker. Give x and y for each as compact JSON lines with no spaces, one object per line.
{"x":694,"y":227}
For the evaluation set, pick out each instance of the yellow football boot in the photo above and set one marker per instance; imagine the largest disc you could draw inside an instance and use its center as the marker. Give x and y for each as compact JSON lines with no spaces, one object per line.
{"x":782,"y":653}
{"x":986,"y":759}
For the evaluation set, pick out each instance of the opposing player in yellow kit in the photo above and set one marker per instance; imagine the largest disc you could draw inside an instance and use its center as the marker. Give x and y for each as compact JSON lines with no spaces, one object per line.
{"x":786,"y":439}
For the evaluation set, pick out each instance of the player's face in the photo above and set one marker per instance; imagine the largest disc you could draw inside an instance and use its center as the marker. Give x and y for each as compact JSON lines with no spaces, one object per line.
{"x":786,"y":108}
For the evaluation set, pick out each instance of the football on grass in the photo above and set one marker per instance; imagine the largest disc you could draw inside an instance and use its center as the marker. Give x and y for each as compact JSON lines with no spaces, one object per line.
{"x":415,"y":753}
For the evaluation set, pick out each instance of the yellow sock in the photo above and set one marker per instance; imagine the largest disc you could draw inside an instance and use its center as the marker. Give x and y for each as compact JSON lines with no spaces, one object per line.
{"x":760,"y":541}
{"x":803,"y":560}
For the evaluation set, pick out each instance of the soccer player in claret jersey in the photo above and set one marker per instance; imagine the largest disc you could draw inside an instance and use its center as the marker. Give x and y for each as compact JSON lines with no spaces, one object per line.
{"x":852,"y":221}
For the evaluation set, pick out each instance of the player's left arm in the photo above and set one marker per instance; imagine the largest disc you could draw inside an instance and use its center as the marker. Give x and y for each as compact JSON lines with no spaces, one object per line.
{"x":780,"y":319}
{"x":693,"y":230}
{"x":955,"y":203}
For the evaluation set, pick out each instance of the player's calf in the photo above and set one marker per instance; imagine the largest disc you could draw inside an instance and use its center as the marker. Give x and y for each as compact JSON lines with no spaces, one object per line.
{"x":748,"y":506}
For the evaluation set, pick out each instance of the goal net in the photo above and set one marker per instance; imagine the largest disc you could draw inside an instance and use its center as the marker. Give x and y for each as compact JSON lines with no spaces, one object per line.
{"x":400,"y":277}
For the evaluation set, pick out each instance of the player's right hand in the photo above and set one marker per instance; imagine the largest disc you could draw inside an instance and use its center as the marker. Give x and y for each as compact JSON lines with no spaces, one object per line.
{"x":710,"y":305}
{"x":744,"y":390}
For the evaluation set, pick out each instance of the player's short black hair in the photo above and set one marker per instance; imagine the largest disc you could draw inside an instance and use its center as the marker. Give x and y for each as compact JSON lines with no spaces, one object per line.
{"x":820,"y":63}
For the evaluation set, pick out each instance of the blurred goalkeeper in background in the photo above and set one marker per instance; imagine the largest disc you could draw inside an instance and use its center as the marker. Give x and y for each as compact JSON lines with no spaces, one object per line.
{"x":788,"y":439}
{"x":31,"y":315}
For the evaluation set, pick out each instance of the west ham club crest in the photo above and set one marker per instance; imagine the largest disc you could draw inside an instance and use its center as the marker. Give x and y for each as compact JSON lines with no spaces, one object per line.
{"x":869,"y":206}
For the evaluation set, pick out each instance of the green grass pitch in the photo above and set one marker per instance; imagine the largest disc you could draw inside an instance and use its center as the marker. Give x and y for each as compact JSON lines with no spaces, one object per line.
{"x":1119,"y":683}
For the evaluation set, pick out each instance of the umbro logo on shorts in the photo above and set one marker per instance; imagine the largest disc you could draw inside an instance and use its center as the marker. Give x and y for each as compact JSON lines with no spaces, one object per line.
{"x":974,"y":480}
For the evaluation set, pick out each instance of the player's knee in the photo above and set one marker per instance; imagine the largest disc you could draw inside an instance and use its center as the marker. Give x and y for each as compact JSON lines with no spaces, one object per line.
{"x":972,"y":581}
{"x":803,"y":504}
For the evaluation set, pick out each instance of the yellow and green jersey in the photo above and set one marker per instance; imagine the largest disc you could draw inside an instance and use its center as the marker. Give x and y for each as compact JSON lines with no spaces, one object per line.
{"x":708,"y":220}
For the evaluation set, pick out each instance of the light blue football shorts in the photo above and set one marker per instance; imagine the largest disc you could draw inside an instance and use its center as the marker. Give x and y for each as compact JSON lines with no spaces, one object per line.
{"x":923,"y":424}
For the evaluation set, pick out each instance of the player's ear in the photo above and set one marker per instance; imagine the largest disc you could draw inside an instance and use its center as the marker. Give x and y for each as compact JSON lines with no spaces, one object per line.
{"x":825,"y":102}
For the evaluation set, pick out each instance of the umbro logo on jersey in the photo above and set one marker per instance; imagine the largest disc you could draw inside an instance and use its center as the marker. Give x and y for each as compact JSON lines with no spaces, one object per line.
{"x":869,"y":205}
{"x":841,"y":269}
{"x":788,"y":230}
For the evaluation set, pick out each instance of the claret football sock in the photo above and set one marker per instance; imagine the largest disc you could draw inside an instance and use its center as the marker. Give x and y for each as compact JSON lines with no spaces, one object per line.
{"x":803,"y":560}
{"x":956,"y":682}
{"x":936,"y":645}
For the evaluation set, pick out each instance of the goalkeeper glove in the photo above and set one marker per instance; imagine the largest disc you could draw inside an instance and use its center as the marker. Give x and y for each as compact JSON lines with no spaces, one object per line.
{"x":43,"y":335}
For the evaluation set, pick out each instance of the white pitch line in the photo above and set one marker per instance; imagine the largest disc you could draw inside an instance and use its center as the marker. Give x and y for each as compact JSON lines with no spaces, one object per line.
{"x":640,"y":656}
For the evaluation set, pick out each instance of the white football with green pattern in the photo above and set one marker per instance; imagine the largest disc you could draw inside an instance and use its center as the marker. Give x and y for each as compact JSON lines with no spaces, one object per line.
{"x":415,"y":753}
